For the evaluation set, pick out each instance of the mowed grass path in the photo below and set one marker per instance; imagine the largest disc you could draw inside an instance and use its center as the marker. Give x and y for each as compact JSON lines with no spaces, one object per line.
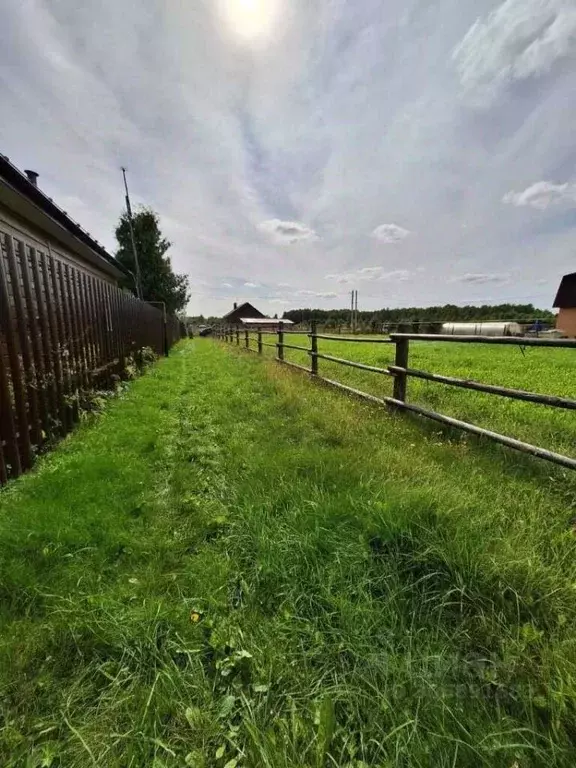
{"x":237,"y":567}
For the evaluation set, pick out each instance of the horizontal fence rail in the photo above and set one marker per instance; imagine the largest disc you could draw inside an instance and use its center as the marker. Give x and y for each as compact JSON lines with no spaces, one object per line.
{"x":518,"y":341}
{"x":354,"y":338}
{"x":400,"y":371}
{"x":64,"y":333}
{"x":515,"y":394}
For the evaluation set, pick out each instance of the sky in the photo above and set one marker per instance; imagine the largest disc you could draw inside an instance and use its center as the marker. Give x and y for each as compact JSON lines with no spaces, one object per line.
{"x":420,"y":152}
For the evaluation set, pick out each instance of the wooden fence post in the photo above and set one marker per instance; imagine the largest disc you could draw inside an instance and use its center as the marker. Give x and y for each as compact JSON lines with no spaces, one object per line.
{"x":313,"y":348}
{"x":402,"y":362}
{"x":259,"y":341}
{"x":247,"y":339}
{"x":237,"y":337}
{"x":280,"y":344}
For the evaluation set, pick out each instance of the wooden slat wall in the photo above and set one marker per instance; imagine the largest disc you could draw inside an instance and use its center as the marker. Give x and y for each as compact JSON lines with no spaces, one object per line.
{"x":63,"y":333}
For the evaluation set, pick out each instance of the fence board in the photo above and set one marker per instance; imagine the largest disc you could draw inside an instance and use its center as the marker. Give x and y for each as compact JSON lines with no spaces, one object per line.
{"x":34,"y":328}
{"x":51,"y":382}
{"x":8,"y":432}
{"x":8,"y":322}
{"x":25,"y":345}
{"x":71,"y":335}
{"x":60,"y":339}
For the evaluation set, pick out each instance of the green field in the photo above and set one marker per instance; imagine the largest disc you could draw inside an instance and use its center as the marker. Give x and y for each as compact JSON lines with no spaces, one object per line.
{"x":546,"y":371}
{"x":235,"y":566}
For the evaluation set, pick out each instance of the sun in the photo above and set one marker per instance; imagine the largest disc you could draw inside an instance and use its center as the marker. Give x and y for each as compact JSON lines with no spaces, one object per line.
{"x":250,"y":20}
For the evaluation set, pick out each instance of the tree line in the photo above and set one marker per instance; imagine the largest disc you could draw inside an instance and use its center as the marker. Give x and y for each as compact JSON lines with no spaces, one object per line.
{"x":421,"y":316}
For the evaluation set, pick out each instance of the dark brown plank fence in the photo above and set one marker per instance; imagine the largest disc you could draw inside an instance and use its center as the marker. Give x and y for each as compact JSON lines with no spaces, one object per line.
{"x":401,"y":372}
{"x":63,"y":333}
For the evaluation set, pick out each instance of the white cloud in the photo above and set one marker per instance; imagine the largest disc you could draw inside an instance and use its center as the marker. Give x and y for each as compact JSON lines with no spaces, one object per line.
{"x":287,"y":232}
{"x":279,"y":301}
{"x":481,"y":278}
{"x":370,"y":274}
{"x":318,"y":294}
{"x":541,"y":194}
{"x":390,"y":233}
{"x":251,"y":285}
{"x":517,"y":40}
{"x":226,"y":285}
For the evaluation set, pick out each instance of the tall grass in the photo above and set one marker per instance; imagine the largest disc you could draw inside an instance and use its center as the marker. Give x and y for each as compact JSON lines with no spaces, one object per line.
{"x":536,"y":369}
{"x":235,"y":567}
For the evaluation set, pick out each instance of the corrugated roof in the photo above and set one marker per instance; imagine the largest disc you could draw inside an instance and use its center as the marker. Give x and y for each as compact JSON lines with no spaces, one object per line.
{"x":566,"y":296}
{"x":265,"y":321}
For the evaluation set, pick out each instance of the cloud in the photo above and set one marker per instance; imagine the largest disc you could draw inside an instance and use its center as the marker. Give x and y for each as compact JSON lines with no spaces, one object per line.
{"x":390,"y":233}
{"x":541,"y":194}
{"x":279,"y":301}
{"x":317,"y":294}
{"x":481,"y":278}
{"x":287,"y":232}
{"x":517,"y":40}
{"x":370,"y":274}
{"x":251,"y":285}
{"x":294,"y":162}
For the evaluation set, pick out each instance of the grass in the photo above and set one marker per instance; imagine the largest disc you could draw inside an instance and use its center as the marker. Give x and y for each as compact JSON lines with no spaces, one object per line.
{"x":547,"y":371}
{"x":236,"y":567}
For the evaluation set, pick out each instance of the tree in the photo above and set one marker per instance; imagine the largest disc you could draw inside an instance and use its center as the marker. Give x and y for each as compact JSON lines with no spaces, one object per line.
{"x":159,"y":282}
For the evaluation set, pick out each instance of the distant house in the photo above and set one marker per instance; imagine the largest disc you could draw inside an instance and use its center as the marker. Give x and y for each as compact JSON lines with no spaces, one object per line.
{"x":565,"y":301}
{"x":247,"y":316}
{"x":234,"y":317}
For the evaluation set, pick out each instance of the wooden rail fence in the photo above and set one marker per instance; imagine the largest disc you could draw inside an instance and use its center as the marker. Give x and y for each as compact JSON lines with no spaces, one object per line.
{"x":400,"y":372}
{"x":63,"y":332}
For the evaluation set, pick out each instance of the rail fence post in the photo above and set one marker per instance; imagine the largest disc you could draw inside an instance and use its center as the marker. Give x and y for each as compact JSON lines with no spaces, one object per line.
{"x":237,"y":336}
{"x":247,"y":339}
{"x":401,"y":361}
{"x":280,"y":344}
{"x":313,"y":348}
{"x":259,"y":341}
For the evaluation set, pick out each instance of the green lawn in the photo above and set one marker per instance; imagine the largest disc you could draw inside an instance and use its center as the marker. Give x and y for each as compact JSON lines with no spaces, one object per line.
{"x":237,"y":567}
{"x":547,"y":371}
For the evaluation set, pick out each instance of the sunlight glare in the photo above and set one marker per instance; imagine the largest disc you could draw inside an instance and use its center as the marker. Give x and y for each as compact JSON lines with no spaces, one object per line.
{"x":250,"y":20}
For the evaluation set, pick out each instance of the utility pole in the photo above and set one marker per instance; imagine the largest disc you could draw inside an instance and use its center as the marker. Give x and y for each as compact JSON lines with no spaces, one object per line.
{"x":354,"y":311}
{"x":132,"y":238}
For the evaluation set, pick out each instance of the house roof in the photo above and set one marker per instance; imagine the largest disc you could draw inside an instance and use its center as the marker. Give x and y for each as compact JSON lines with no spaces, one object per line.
{"x":247,"y":308}
{"x":265,"y":321}
{"x":566,"y":296}
{"x":27,"y":200}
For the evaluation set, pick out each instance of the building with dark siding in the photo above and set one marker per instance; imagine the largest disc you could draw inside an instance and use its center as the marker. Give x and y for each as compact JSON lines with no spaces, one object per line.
{"x":565,"y":301}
